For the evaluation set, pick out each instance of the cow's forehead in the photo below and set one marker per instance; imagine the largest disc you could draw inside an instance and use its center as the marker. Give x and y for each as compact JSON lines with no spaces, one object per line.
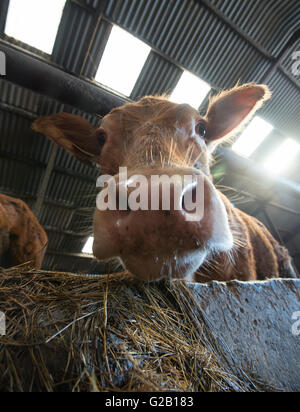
{"x":155,"y":109}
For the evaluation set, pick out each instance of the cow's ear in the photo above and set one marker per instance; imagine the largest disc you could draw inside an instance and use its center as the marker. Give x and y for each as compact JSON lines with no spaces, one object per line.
{"x":73,"y":133}
{"x":231,"y":109}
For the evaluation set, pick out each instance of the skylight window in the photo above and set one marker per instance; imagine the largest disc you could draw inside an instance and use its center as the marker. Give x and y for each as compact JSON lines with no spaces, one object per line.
{"x":34,"y":22}
{"x":190,"y":89}
{"x":88,"y":247}
{"x":282,"y":158}
{"x":252,"y":137}
{"x":123,"y":59}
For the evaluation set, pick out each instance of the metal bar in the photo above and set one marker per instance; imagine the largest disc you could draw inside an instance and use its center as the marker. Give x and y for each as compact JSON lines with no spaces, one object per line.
{"x":17,"y":110}
{"x":67,"y":232}
{"x":37,"y":74}
{"x":3,"y":14}
{"x":284,"y":208}
{"x":272,"y":226}
{"x":37,"y":208}
{"x":69,"y":254}
{"x":85,"y":6}
{"x":91,"y":9}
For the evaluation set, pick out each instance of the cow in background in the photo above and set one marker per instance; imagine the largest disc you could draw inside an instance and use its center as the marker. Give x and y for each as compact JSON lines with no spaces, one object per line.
{"x":22,"y":239}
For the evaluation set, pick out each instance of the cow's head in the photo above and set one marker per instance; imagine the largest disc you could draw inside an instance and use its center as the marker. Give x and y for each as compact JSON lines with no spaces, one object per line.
{"x":155,"y":137}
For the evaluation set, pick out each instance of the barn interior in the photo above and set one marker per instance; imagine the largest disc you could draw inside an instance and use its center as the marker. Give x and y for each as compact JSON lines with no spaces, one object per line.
{"x":98,"y":54}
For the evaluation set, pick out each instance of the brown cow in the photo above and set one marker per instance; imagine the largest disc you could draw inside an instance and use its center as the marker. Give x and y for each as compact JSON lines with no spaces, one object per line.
{"x":22,"y":239}
{"x":155,"y":137}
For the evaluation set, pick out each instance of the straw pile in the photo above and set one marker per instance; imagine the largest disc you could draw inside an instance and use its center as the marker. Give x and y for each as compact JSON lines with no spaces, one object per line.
{"x":67,"y":332}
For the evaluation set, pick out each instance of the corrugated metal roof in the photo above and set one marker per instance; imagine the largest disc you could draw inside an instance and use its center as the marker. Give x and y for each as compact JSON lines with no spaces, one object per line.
{"x":158,"y":76}
{"x":269,"y":23}
{"x":56,"y":216}
{"x":186,"y":29}
{"x":73,"y":37}
{"x":284,"y":108}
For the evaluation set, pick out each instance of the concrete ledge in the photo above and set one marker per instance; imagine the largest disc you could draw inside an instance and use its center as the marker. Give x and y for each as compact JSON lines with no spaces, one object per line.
{"x":255,"y":321}
{"x":116,"y":332}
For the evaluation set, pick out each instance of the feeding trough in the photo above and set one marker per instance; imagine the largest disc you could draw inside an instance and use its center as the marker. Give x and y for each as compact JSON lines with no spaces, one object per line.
{"x":68,"y":332}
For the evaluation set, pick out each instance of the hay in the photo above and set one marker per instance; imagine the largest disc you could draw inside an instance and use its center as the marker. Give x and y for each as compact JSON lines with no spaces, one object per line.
{"x":72,"y":333}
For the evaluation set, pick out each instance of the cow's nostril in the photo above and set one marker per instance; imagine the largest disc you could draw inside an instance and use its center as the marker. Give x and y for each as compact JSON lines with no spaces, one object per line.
{"x":128,"y":209}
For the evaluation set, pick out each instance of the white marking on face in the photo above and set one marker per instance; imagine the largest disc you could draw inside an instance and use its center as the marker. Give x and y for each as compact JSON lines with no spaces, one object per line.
{"x":222,"y":238}
{"x":191,"y":261}
{"x":183,"y":132}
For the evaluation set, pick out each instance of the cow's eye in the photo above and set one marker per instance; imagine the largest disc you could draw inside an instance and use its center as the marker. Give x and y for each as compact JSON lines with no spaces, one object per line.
{"x":201,"y":129}
{"x":101,"y":138}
